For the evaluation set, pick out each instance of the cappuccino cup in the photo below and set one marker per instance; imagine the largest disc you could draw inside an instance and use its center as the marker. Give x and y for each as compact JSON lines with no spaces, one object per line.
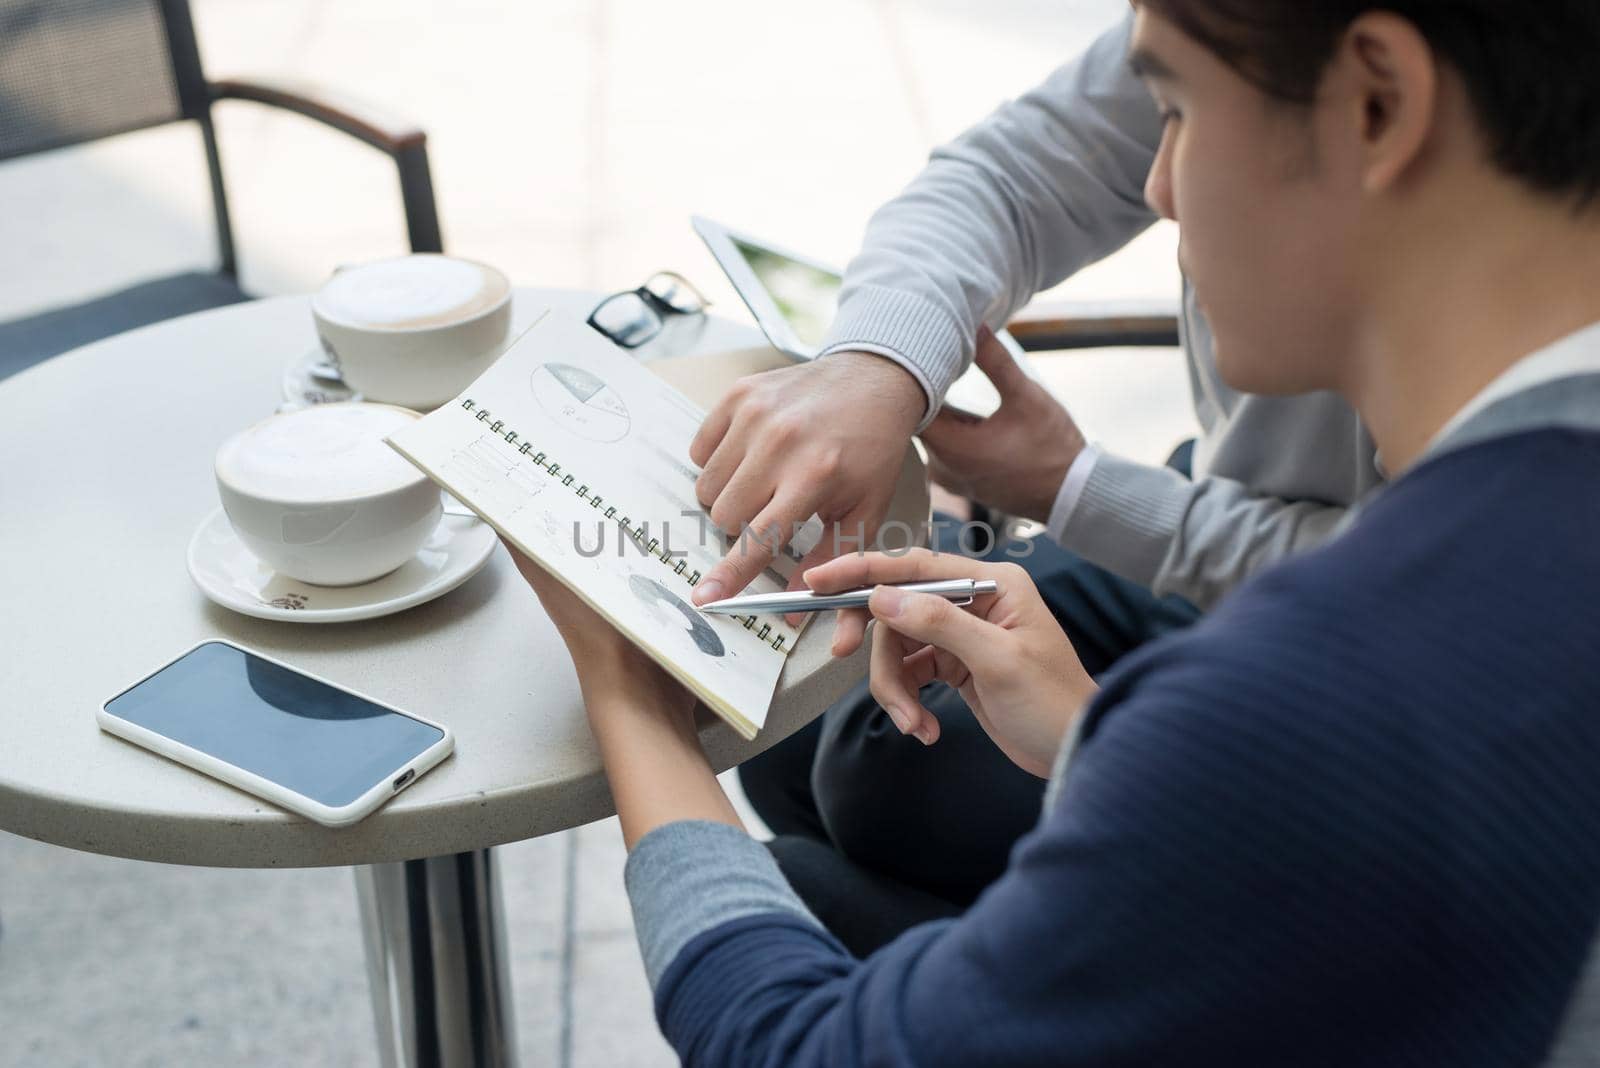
{"x":317,"y":495}
{"x":414,"y":330}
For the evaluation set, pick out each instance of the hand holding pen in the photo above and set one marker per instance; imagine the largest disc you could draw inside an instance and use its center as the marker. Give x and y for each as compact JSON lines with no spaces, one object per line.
{"x":1005,"y":651}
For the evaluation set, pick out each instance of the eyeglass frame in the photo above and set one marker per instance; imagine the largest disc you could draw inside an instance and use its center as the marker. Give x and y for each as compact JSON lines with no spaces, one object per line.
{"x":662,"y":308}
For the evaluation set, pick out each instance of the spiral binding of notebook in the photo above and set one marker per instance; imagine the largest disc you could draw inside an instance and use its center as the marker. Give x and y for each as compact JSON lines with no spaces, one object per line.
{"x":639,"y":535}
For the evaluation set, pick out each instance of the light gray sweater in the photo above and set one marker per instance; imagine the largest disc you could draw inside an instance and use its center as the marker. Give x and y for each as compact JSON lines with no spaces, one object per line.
{"x":1047,"y":184}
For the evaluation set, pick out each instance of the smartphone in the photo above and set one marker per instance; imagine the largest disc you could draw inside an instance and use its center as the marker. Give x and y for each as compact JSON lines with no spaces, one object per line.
{"x":307,"y":744}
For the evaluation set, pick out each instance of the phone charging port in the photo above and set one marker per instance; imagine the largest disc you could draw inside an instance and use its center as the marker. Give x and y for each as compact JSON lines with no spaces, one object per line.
{"x":410,"y":773}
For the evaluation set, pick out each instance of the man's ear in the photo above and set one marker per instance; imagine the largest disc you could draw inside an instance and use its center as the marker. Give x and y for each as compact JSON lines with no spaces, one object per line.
{"x":1396,"y":81}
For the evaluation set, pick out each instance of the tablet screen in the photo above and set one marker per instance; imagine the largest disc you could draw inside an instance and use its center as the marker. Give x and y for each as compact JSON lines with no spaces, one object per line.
{"x":807,"y":296}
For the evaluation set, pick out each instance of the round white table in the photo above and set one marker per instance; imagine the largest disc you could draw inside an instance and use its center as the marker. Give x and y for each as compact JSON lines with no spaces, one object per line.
{"x":108,"y":472}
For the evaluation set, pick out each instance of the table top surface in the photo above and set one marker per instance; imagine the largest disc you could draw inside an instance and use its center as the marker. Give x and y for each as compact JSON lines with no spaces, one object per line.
{"x":109,"y":472}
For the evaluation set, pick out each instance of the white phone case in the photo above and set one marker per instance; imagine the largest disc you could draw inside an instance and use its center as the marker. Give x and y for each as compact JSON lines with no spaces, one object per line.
{"x":385,"y":788}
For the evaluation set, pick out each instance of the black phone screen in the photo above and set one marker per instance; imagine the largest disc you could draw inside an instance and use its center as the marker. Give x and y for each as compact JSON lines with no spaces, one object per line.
{"x":302,"y":734}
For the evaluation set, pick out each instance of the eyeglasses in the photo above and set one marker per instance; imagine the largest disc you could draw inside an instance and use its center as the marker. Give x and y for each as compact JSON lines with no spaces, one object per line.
{"x":636,"y":316}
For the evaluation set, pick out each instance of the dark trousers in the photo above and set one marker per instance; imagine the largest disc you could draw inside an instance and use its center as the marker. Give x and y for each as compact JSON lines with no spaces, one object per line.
{"x":877,"y":832}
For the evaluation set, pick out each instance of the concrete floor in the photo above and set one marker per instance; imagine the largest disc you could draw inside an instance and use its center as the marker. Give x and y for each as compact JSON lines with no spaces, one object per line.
{"x":570,"y":140}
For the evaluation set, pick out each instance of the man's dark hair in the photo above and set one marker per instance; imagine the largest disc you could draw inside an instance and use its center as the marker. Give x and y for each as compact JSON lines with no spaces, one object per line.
{"x":1532,"y":69}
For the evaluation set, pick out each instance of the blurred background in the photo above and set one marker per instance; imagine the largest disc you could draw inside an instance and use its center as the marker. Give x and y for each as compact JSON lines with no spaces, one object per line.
{"x":569,"y":142}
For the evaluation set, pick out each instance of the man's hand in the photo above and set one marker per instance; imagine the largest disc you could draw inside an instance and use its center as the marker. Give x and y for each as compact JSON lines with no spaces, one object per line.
{"x":825,"y":437}
{"x":1017,"y":458}
{"x":1006,"y":653}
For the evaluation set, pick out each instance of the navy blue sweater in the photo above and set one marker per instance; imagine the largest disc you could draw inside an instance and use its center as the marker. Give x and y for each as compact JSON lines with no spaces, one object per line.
{"x":1353,"y":817}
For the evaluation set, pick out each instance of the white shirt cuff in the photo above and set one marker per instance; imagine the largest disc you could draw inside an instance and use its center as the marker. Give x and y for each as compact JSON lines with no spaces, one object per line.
{"x":1071,"y":490}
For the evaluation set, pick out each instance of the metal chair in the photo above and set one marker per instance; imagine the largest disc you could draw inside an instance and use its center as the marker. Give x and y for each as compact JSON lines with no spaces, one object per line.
{"x":73,"y":71}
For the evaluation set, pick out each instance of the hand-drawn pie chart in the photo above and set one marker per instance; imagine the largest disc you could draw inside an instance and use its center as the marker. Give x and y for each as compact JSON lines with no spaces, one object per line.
{"x":663,"y":602}
{"x":581,"y":402}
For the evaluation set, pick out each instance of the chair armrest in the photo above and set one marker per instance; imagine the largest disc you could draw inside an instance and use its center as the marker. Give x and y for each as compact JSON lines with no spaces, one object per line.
{"x":403,"y":140}
{"x":361,"y":121}
{"x":1058,"y":325}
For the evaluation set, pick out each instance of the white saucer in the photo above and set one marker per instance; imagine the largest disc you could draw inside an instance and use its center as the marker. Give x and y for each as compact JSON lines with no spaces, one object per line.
{"x":231,"y":576}
{"x":302,"y":387}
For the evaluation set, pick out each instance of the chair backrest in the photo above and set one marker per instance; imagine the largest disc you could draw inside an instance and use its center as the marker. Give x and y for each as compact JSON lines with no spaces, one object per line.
{"x":76,"y":70}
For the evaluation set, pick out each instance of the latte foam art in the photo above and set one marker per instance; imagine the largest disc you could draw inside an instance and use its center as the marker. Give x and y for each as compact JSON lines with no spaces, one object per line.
{"x":329,"y":452}
{"x":410,"y":292}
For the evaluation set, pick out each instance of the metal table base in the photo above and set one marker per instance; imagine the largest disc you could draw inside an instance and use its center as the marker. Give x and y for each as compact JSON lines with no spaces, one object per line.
{"x":434,"y":932}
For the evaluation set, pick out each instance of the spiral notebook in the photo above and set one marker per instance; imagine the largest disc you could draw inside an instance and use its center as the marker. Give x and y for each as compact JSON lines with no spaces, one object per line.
{"x":579,"y":456}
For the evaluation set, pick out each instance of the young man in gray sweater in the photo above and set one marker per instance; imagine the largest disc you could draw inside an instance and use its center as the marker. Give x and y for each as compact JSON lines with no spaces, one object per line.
{"x":877,"y":831}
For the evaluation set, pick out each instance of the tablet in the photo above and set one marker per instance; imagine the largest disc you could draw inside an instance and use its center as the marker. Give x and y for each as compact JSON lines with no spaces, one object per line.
{"x":794,"y":300}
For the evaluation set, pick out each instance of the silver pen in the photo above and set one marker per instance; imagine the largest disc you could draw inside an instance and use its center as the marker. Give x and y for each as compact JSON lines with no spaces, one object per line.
{"x":959,"y":591}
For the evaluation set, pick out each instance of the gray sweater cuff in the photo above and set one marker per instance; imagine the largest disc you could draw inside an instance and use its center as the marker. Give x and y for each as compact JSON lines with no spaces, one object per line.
{"x":687,"y":877}
{"x":1127,"y":517}
{"x":911,"y":329}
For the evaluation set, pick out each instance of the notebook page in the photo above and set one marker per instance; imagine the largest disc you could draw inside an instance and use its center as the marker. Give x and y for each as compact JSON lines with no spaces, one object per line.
{"x":578,"y":455}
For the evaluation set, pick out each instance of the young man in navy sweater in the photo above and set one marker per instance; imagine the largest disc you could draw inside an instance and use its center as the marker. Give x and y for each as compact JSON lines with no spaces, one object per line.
{"x":1353,"y":817}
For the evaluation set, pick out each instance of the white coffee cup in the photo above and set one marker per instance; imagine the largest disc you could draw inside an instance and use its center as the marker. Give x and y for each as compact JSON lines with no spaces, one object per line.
{"x":414,"y":330}
{"x":317,"y":495}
